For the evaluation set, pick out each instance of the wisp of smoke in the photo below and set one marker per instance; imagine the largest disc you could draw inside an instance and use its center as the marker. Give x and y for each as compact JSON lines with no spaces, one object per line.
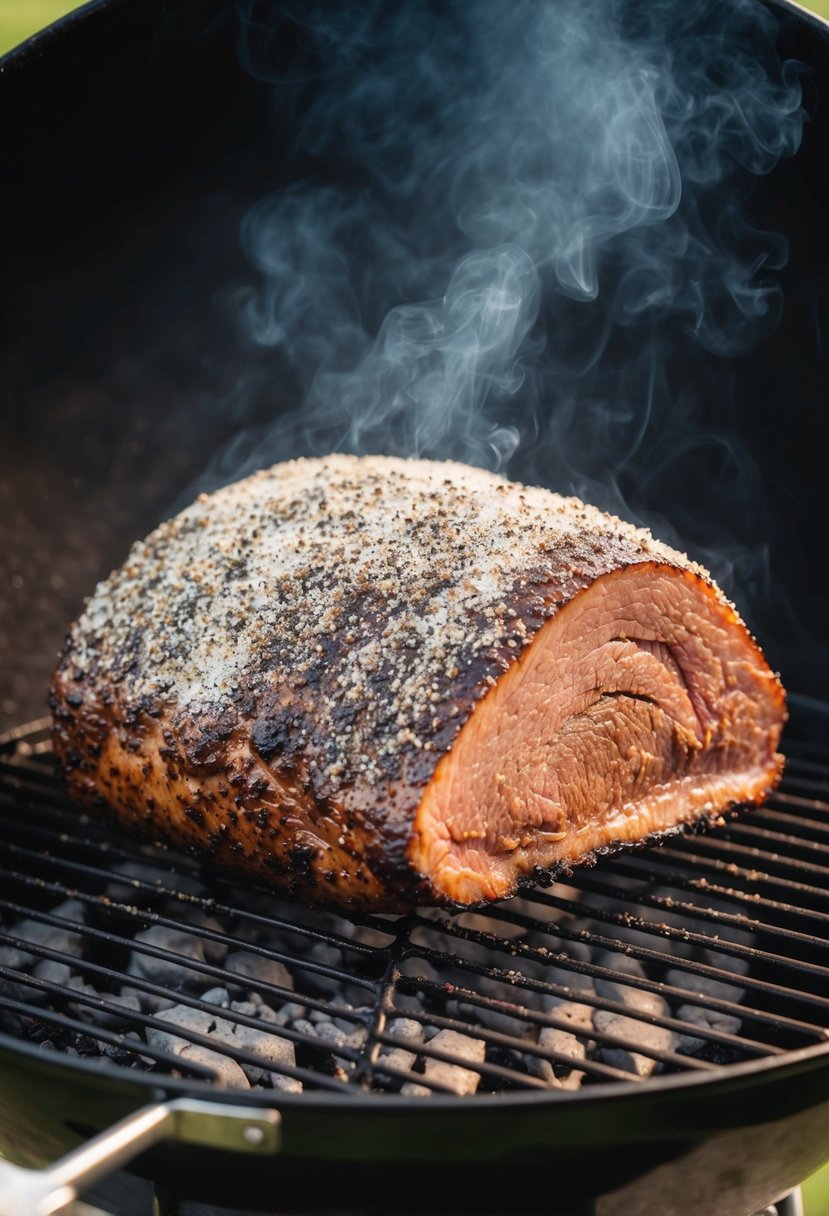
{"x":506,"y":220}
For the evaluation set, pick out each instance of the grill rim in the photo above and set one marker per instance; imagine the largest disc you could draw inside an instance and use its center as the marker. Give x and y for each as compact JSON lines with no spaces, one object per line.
{"x":161,"y":1088}
{"x":156,"y":1086}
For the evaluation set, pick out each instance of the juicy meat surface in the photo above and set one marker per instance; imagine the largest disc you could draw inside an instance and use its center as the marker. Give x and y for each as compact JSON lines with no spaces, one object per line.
{"x":378,"y":682}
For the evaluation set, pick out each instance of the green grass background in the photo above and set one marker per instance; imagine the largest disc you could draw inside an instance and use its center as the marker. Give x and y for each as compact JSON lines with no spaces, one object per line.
{"x":21,"y":18}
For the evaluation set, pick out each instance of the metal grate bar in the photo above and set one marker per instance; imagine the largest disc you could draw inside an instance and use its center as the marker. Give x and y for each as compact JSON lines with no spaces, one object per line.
{"x":688,"y":880}
{"x":216,"y":1046}
{"x":630,"y":921}
{"x":169,"y":956}
{"x":795,"y":846}
{"x":595,"y":970}
{"x":713,"y":865}
{"x":806,"y":783}
{"x":602,"y":1036}
{"x":587,"y":997}
{"x":804,"y":764}
{"x":206,"y":904}
{"x":101,"y":1004}
{"x":63,"y":1022}
{"x":775,"y":809}
{"x":595,"y":884}
{"x":520,"y":1012}
{"x":440,"y":971}
{"x":753,"y":858}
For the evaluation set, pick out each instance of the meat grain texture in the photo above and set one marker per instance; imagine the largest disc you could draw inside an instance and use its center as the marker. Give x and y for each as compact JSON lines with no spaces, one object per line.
{"x":377,"y":682}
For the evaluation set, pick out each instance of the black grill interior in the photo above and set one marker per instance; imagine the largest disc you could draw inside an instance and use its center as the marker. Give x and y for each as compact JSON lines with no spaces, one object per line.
{"x":692,"y":956}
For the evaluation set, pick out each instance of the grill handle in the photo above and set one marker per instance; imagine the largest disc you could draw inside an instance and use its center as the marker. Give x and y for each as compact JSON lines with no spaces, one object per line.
{"x":27,"y":1192}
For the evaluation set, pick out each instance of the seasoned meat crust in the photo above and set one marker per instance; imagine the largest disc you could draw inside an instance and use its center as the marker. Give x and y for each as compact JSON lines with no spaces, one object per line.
{"x":377,"y":682}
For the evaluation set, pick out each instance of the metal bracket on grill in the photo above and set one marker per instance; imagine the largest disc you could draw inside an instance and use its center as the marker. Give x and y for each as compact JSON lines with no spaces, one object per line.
{"x":25,"y":1192}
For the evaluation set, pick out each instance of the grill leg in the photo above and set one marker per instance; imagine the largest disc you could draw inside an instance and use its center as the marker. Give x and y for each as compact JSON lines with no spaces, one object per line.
{"x":789,"y":1205}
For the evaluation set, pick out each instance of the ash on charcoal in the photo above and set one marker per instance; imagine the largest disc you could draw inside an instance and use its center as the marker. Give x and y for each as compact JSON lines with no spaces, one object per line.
{"x":217,"y":996}
{"x":402,"y":1058}
{"x":169,"y":972}
{"x":53,"y":972}
{"x":284,"y":1014}
{"x":128,"y":1005}
{"x":37,"y":933}
{"x":325,"y":985}
{"x":271,"y":1049}
{"x":704,"y":985}
{"x":454,"y":1076}
{"x":257,"y":969}
{"x":495,"y":1019}
{"x":637,"y":1033}
{"x":573,"y":1043}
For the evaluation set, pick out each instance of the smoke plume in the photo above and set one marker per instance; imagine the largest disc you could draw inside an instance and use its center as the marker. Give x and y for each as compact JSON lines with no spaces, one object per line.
{"x":510,"y":226}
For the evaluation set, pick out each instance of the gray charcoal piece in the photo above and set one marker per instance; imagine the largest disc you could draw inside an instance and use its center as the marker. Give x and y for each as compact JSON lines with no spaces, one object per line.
{"x":245,"y":1007}
{"x":574,"y":982}
{"x":217,"y":996}
{"x":128,"y":1005}
{"x":149,"y":1002}
{"x":328,"y":956}
{"x":711,"y":1019}
{"x":52,"y":972}
{"x":199,"y":1021}
{"x":330,"y":1033}
{"x":64,"y":941}
{"x":639,"y":1034}
{"x":349,"y":1024}
{"x":163,"y":882}
{"x":288,"y":1013}
{"x":411,"y":1090}
{"x":571,"y":1043}
{"x":15,"y":959}
{"x":214,"y":952}
{"x":406,"y":1028}
{"x":164,"y":971}
{"x":401,"y":1057}
{"x":18,"y":960}
{"x":255,"y":968}
{"x":703,"y":985}
{"x":229,"y":1074}
{"x":493,"y":1018}
{"x":272,"y":1049}
{"x":82,"y":1010}
{"x":275,"y":1017}
{"x":457,"y":1078}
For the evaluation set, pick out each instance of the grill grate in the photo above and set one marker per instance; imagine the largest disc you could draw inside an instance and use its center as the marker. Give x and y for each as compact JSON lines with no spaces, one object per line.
{"x":707,"y":951}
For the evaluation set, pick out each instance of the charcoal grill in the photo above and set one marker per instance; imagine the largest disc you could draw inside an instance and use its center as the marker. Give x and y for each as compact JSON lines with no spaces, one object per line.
{"x":135,"y":145}
{"x":733,"y":921}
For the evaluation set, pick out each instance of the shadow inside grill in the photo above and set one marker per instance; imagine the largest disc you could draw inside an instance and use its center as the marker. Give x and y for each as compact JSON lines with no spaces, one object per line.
{"x":706,"y":951}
